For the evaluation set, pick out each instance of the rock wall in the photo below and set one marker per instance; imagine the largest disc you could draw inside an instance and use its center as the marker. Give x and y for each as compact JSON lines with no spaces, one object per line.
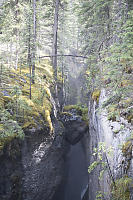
{"x":118,"y":136}
{"x":11,"y":171}
{"x":32,"y":169}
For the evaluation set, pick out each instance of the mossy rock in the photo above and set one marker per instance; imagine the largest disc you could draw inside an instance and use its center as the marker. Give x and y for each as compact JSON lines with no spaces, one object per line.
{"x":66,"y":114}
{"x":80,"y":109}
{"x":96,"y":95}
{"x":127,"y":148}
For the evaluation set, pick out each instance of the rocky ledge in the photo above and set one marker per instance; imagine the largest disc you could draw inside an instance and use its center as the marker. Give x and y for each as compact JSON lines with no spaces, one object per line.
{"x":75,"y":126}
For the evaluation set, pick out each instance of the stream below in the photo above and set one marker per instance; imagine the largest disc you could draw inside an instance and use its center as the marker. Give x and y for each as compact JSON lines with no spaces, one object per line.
{"x":75,"y":180}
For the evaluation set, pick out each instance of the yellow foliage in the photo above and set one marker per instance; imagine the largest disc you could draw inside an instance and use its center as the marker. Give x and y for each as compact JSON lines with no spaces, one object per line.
{"x":87,"y":73}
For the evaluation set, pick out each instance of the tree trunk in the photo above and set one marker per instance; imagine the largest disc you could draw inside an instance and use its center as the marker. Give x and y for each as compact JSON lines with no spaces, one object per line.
{"x":54,"y":47}
{"x":11,"y":53}
{"x":34,"y":41}
{"x":17,"y":37}
{"x":29,"y":51}
{"x":62,"y":89}
{"x":55,"y":32}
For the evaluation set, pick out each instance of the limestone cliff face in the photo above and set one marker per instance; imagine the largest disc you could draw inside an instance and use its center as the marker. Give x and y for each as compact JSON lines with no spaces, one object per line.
{"x":116,"y":135}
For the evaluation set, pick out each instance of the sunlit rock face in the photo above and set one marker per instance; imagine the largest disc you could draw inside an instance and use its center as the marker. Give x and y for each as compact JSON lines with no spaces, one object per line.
{"x":43,"y":163}
{"x":116,"y":136}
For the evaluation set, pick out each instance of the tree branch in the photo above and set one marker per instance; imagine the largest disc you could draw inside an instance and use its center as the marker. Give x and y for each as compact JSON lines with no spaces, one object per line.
{"x":69,"y":55}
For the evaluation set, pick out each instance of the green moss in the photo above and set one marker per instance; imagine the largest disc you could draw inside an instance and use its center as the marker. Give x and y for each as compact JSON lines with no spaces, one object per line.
{"x":40,"y":103}
{"x":96,"y":95}
{"x":6,"y":140}
{"x":29,"y":124}
{"x":28,"y":112}
{"x":70,"y":107}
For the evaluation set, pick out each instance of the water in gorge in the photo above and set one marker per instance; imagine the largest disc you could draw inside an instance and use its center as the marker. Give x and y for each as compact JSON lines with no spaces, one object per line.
{"x":75,"y":180}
